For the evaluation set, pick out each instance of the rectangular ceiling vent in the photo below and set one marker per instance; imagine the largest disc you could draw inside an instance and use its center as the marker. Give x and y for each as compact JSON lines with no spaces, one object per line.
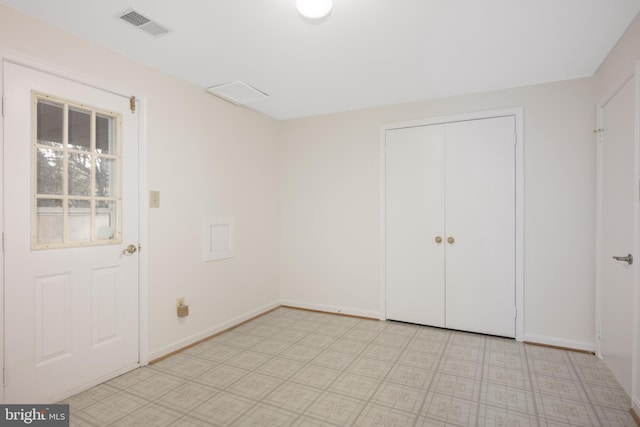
{"x":142,"y":22}
{"x":238,"y":93}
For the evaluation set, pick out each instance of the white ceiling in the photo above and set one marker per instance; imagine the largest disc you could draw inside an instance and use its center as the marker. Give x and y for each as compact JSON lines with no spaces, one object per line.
{"x":367,"y":53}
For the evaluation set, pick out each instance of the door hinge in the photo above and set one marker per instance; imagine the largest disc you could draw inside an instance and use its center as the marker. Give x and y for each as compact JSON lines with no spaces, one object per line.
{"x":132,"y":104}
{"x":4,"y":249}
{"x":515,"y":312}
{"x":4,"y":107}
{"x":4,"y":375}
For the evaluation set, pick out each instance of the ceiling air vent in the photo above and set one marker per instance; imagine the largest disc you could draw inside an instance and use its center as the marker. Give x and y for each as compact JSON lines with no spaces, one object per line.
{"x":142,"y":22}
{"x":238,"y":93}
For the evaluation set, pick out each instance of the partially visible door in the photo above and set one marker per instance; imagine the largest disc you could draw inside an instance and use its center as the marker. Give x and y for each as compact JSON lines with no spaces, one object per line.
{"x":71,"y":210}
{"x":617,"y":198}
{"x":414,"y":219}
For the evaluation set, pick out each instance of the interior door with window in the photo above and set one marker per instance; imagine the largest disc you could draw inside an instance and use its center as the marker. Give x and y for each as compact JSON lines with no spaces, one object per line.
{"x":71,"y":236}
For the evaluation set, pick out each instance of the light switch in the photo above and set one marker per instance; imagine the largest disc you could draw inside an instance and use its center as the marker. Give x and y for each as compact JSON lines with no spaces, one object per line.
{"x":154,"y":199}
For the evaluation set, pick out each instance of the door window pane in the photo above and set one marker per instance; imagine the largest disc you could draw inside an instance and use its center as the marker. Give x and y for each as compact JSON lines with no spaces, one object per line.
{"x":105,"y":177}
{"x":105,"y":134}
{"x":79,"y":221}
{"x":49,"y":221}
{"x":79,"y":129}
{"x":49,"y":164}
{"x":50,"y":118}
{"x":105,"y":220}
{"x":79,"y":174}
{"x":76,"y":174}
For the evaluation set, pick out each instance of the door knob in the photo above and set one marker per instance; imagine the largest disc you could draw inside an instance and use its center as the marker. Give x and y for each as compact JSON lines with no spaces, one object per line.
{"x":450,"y":240}
{"x":438,"y":239}
{"x":131,"y":249}
{"x":628,"y":258}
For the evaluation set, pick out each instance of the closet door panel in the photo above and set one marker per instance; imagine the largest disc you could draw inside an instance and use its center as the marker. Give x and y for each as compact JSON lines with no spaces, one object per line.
{"x":414,"y":218}
{"x":480,"y":217}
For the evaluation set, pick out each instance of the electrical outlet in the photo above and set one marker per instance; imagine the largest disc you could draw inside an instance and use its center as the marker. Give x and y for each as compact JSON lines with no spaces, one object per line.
{"x":181,"y":308}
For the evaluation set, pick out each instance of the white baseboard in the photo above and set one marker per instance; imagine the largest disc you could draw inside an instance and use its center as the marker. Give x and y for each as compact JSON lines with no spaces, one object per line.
{"x":154,"y":354}
{"x":157,"y":353}
{"x":559,"y":342}
{"x":332,"y":309}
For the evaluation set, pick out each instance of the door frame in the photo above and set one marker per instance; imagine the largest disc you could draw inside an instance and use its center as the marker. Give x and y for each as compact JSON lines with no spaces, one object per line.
{"x":635,"y":77}
{"x":141,"y":107}
{"x":518,"y":114}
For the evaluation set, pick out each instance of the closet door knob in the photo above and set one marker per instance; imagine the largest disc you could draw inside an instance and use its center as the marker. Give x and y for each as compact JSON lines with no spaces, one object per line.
{"x":450,"y":240}
{"x":438,"y":239}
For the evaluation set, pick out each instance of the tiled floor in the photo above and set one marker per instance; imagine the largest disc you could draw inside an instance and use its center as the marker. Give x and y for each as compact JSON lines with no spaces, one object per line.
{"x":299,"y":368}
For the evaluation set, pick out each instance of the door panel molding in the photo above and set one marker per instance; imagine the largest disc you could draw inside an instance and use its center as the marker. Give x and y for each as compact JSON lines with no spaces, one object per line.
{"x":518,"y":114}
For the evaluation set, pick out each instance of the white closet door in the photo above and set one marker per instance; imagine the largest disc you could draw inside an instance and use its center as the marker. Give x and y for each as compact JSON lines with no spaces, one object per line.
{"x":414,"y":217}
{"x":480,"y":217}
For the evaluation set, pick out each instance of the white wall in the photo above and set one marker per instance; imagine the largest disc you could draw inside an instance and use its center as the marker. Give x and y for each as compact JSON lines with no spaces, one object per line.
{"x":330,"y":206}
{"x":206,"y":157}
{"x":619,"y":64}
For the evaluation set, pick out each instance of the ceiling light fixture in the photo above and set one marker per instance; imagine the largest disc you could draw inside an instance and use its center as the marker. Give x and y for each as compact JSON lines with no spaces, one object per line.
{"x":314,"y":9}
